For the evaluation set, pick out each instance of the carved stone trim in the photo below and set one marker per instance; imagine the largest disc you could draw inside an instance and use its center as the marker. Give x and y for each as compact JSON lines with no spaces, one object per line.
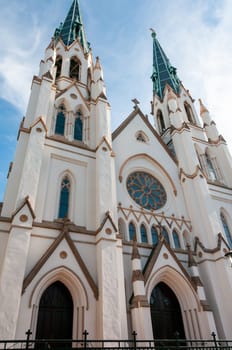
{"x":139,"y":301}
{"x":205,"y":305}
{"x":193,"y":175}
{"x":137,"y":276}
{"x":197,"y":281}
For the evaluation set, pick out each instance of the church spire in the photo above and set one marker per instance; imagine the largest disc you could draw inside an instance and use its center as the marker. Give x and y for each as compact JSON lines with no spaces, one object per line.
{"x":72,"y":28}
{"x":163,"y":72}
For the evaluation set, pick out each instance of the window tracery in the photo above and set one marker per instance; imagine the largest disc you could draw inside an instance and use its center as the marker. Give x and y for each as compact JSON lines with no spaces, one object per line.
{"x":132,"y":231}
{"x":64,"y":198}
{"x":143,"y":233}
{"x":74,"y":71}
{"x":146,"y":190}
{"x":226,"y":229}
{"x":60,"y":121}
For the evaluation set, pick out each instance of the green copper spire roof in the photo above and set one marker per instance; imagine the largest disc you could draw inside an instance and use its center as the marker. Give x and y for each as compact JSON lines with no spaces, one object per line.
{"x":72,"y":28}
{"x":163,"y":72}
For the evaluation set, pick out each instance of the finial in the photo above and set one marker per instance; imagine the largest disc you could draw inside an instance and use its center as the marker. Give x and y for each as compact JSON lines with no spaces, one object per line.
{"x":203,"y":109}
{"x":153,"y":33}
{"x":135,"y":251}
{"x":97,"y":64}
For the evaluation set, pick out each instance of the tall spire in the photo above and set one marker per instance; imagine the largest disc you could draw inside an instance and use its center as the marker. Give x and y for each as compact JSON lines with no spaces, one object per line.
{"x":72,"y":28}
{"x":163,"y":72}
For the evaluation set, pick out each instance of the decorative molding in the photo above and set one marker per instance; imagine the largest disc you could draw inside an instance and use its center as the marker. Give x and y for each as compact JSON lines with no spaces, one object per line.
{"x":64,"y":234}
{"x":193,"y":175}
{"x":139,"y":301}
{"x":104,"y":140}
{"x":138,"y":112}
{"x":135,"y":252}
{"x":26,"y":202}
{"x":160,"y":219}
{"x":205,"y":305}
{"x":179,"y":130}
{"x":156,"y":163}
{"x":197,"y":281}
{"x":211,"y":250}
{"x":137,"y":276}
{"x":107,"y":217}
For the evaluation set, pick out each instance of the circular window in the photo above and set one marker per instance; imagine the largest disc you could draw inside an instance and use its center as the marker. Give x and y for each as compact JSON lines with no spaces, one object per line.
{"x":146,"y":190}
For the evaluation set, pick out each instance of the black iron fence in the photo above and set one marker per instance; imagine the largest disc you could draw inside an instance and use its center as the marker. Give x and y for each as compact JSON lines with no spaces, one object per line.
{"x":128,"y":344}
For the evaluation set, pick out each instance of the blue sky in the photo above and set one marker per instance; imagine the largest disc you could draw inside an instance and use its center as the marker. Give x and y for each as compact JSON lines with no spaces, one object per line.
{"x":195,"y":34}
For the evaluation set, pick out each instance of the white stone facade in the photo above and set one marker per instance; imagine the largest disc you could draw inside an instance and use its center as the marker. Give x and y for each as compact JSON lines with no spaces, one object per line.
{"x":89,"y":250}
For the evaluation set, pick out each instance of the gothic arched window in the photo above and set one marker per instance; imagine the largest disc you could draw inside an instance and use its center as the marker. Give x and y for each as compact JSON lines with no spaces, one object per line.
{"x":74,"y":71}
{"x":189,"y":113}
{"x":226,"y":229}
{"x":58,"y":66}
{"x":143,"y":234}
{"x":160,"y":120}
{"x":154,"y":235}
{"x":176,"y":239}
{"x":164,"y":233}
{"x":212,"y":175}
{"x":132,"y":231}
{"x":64,"y":198}
{"x":60,"y":121}
{"x":78,"y":127}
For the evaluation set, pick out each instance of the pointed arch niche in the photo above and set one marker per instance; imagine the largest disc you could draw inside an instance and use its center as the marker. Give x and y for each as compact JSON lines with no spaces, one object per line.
{"x":226,"y":223}
{"x":191,"y":311}
{"x":160,"y":121}
{"x":75,"y":68}
{"x":76,"y":289}
{"x":58,"y":66}
{"x":189,"y":113}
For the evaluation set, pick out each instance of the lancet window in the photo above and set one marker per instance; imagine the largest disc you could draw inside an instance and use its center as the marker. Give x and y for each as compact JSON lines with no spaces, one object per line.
{"x":176,"y":239}
{"x":189,"y":113}
{"x":64,"y":198}
{"x":132,"y":231}
{"x":143,"y":233}
{"x":164,"y":233}
{"x":74,"y":71}
{"x":154,"y":235}
{"x":226,"y":229}
{"x":160,"y":121}
{"x":58,"y":66}
{"x":60,"y":121}
{"x":78,"y":127}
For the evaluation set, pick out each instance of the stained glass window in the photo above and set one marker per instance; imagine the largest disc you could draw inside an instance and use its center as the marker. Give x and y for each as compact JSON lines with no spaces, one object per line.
{"x":226,"y":229}
{"x":176,"y":239}
{"x":60,"y":121}
{"x":164,"y":233}
{"x":154,"y":235}
{"x":146,"y":190}
{"x":132,"y":231}
{"x":78,"y":127}
{"x":143,"y":233}
{"x":64,"y":198}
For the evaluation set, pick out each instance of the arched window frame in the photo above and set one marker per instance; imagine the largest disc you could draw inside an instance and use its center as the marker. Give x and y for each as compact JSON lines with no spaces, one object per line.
{"x":60,"y":121}
{"x":78,"y":126}
{"x":75,"y":68}
{"x":132,"y":231}
{"x":226,"y":228}
{"x":58,"y":65}
{"x":141,"y":136}
{"x":176,"y":240}
{"x":154,"y":235}
{"x":143,"y":234}
{"x":189,"y":113}
{"x":160,"y":121}
{"x":64,"y":197}
{"x":165,"y":234}
{"x":212,"y":169}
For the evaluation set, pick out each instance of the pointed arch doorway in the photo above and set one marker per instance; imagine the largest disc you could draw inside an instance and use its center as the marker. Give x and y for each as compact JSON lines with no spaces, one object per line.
{"x":165,"y":313}
{"x":55,"y":316}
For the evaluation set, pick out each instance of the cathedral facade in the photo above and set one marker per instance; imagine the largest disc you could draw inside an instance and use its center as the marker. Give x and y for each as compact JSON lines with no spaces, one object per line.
{"x":114,"y":232}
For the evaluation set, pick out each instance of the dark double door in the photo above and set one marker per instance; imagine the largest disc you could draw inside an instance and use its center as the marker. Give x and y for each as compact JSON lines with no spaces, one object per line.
{"x":166,"y":315}
{"x":55,"y":317}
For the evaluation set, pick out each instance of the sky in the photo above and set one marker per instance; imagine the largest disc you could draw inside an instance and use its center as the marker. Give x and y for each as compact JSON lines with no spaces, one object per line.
{"x":195,"y":35}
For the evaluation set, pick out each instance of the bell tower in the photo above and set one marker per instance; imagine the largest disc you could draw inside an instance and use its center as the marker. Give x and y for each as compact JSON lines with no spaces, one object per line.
{"x":63,"y":176}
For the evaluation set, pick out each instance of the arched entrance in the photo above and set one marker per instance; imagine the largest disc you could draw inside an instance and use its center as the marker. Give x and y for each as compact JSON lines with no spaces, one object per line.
{"x":165,"y":313}
{"x":55,"y":316}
